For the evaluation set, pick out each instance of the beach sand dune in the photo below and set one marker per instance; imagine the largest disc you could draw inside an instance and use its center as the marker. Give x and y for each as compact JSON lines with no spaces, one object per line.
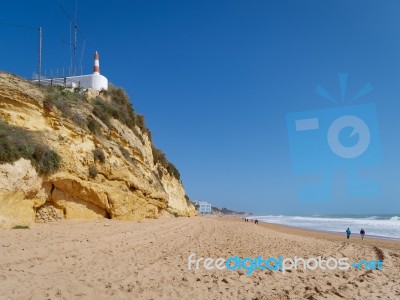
{"x":149,"y":260}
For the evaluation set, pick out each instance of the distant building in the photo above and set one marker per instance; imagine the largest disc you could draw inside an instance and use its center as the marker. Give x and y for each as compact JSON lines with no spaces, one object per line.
{"x":93,"y":81}
{"x":203,"y":207}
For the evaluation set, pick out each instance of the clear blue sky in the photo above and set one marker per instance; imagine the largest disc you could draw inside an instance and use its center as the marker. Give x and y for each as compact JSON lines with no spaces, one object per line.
{"x":215,"y":80}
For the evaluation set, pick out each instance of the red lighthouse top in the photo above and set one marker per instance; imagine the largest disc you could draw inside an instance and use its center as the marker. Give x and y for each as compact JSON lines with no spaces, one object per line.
{"x":96,"y":68}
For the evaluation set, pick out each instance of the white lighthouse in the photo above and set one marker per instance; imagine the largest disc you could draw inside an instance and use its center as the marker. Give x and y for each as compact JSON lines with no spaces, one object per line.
{"x":97,"y":82}
{"x":94,"y":81}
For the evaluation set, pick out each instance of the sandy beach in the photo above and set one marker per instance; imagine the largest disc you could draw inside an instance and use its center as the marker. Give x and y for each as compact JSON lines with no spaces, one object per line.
{"x":110,"y":259}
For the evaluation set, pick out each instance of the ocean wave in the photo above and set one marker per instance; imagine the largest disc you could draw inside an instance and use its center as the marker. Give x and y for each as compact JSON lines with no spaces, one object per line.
{"x":374,"y":225}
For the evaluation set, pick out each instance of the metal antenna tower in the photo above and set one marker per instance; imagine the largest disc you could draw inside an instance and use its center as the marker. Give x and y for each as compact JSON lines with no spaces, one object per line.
{"x":75,"y":42}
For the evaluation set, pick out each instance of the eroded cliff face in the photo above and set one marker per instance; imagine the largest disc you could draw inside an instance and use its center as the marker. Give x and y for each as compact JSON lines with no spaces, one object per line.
{"x":128,"y":185}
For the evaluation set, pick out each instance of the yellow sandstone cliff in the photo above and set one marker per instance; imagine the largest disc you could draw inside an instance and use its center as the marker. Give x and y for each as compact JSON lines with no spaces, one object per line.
{"x":127,"y":185}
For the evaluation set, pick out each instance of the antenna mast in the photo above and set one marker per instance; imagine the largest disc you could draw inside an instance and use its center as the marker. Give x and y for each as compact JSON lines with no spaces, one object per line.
{"x":40,"y":53}
{"x":74,"y":44}
{"x":75,"y":36}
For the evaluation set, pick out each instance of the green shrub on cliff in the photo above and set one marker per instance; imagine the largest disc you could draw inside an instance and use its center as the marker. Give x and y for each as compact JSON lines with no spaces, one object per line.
{"x":99,"y":156}
{"x":160,"y":157}
{"x":17,"y":142}
{"x":119,"y":108}
{"x":93,"y":125}
{"x":44,"y":159}
{"x":21,"y":227}
{"x":92,"y":172}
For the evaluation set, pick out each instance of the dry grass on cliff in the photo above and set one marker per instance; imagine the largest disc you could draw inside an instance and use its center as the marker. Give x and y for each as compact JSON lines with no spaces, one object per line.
{"x":66,"y":101}
{"x":121,"y":109}
{"x":106,"y":110}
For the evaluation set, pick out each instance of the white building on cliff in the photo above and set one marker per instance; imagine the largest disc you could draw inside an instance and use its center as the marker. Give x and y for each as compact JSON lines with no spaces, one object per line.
{"x":94,"y":81}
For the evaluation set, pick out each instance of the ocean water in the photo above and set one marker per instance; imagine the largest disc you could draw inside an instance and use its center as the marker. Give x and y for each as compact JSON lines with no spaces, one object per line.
{"x":387,"y":226}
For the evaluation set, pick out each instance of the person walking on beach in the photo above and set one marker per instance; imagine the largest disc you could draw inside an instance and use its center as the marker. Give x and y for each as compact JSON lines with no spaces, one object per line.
{"x":362,"y":232}
{"x":348,"y":232}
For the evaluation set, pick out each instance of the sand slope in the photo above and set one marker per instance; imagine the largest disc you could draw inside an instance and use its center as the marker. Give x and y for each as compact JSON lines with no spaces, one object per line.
{"x":124,"y":260}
